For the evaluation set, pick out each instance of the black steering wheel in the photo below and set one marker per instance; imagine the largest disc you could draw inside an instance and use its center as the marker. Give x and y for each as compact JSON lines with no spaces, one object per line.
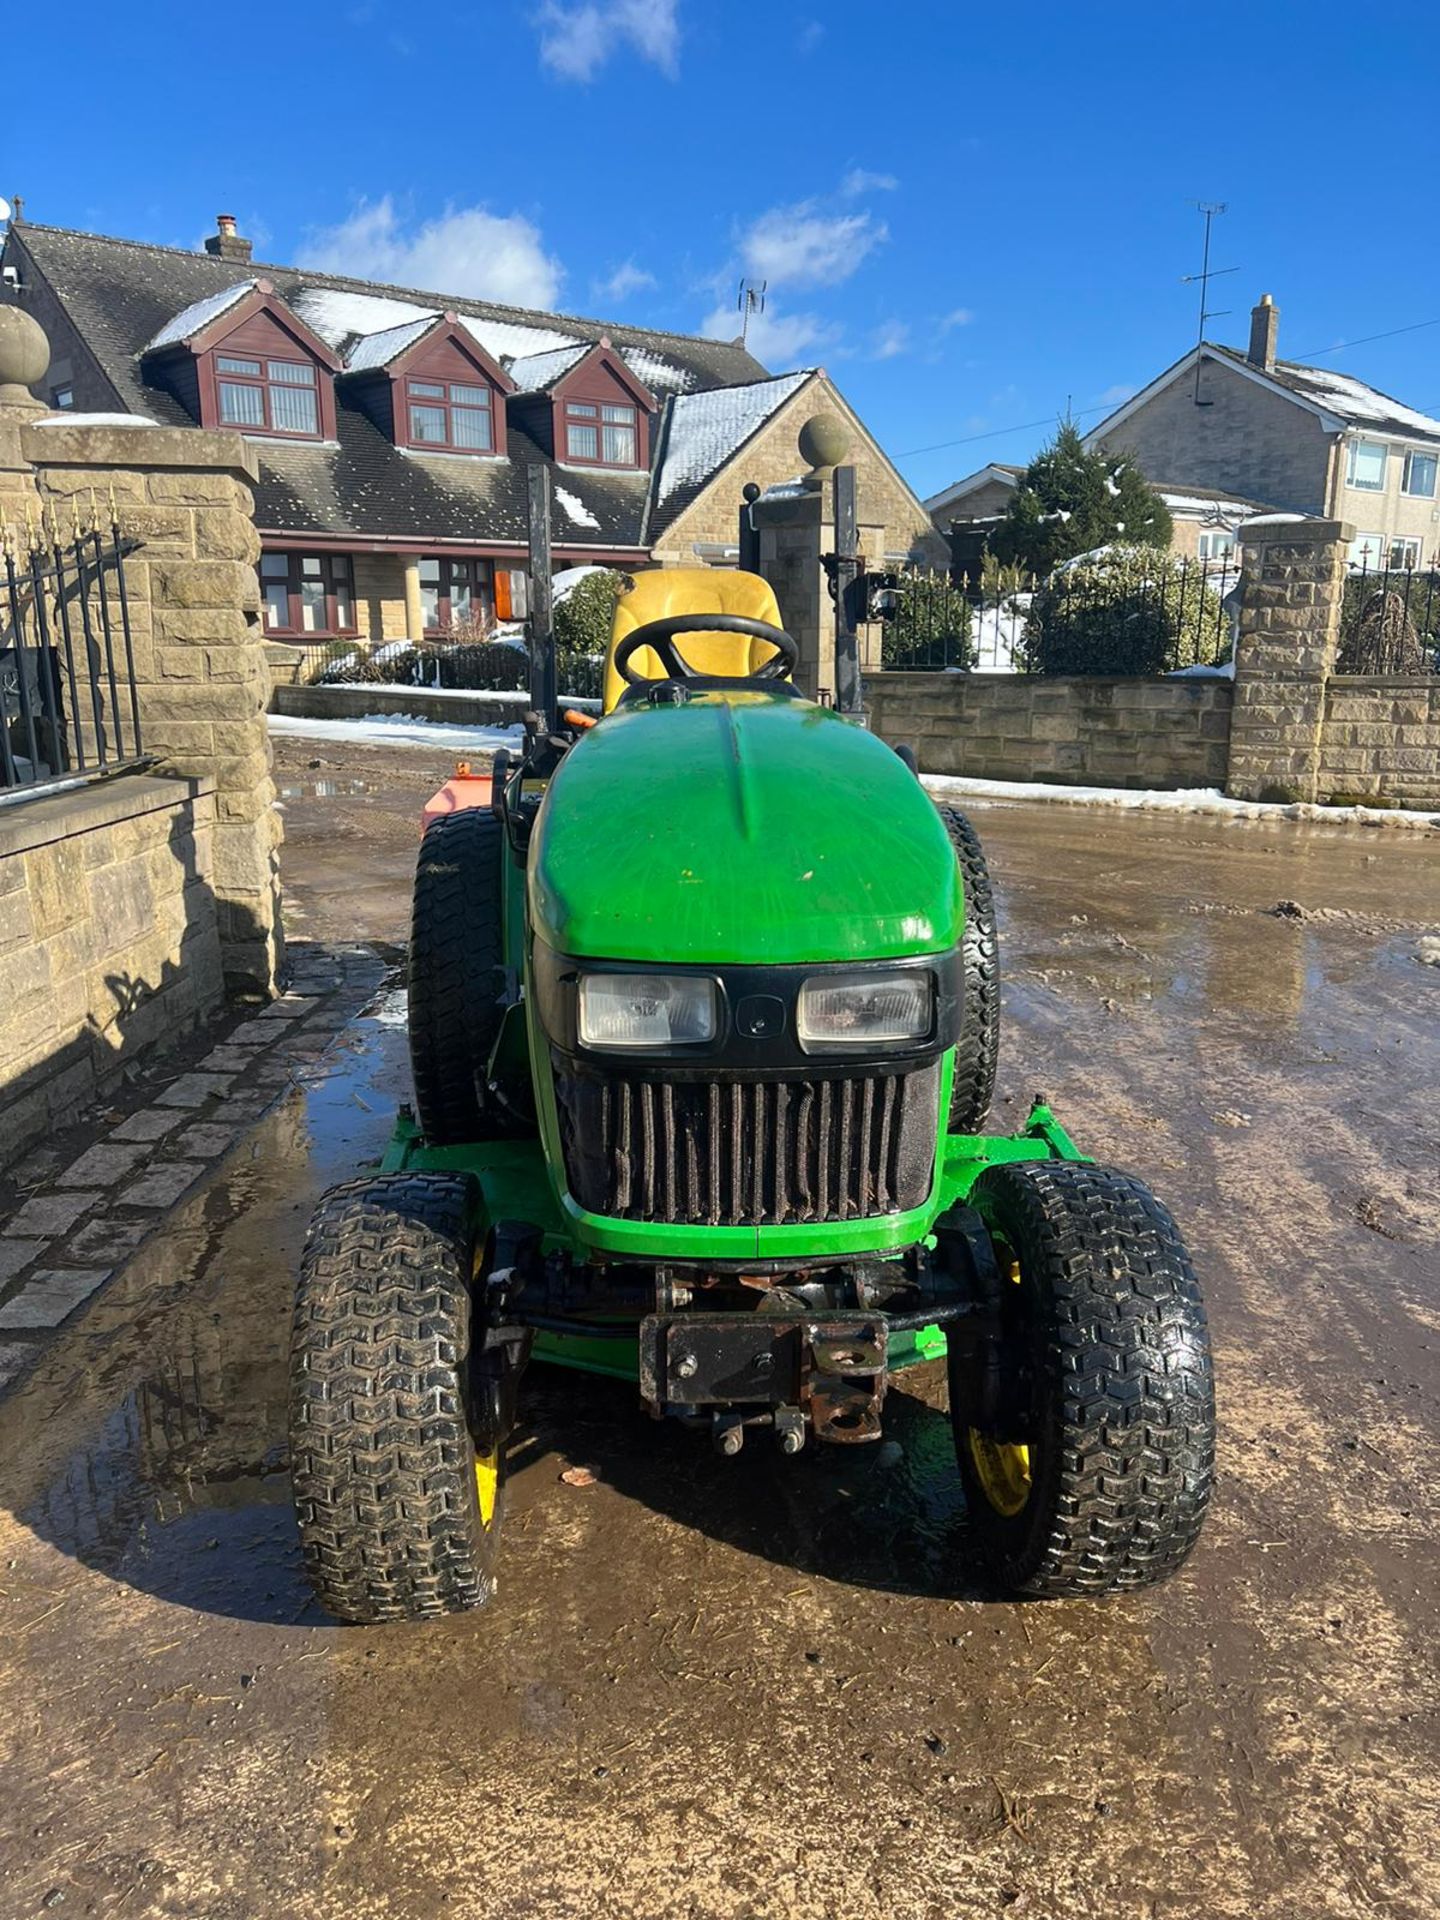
{"x":661,"y":635}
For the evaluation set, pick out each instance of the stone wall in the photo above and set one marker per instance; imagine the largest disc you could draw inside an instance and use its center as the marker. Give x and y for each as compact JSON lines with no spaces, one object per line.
{"x":1081,"y":731}
{"x":199,"y":649}
{"x":1381,"y":738}
{"x":109,"y":939}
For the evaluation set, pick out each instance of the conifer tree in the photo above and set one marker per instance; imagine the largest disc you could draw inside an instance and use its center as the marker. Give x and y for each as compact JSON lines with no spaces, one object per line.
{"x":1071,"y":501}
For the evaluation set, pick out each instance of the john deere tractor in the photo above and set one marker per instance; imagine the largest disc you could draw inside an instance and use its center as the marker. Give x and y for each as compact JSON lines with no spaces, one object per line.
{"x":704,"y":1010}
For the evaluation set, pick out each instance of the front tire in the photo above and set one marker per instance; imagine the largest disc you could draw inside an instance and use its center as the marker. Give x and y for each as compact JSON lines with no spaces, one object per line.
{"x":978,"y":1048}
{"x":1095,"y":1475}
{"x":395,"y":1441}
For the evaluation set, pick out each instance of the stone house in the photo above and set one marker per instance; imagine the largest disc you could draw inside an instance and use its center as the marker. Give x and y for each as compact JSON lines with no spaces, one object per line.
{"x":1296,"y":438}
{"x":393,"y":429}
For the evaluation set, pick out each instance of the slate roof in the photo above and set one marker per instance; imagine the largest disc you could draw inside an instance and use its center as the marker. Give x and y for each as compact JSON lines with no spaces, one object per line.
{"x":122,"y":294}
{"x":702,"y":431}
{"x":1351,"y":400}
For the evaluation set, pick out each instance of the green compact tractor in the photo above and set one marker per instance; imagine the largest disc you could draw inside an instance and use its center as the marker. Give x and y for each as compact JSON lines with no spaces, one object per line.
{"x":703,"y":1018}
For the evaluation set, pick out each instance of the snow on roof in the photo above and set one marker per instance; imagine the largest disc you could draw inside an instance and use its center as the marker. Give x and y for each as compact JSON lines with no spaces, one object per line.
{"x":379,"y":349}
{"x":1355,"y":401}
{"x":67,"y":419}
{"x":338,"y":316}
{"x":1229,"y":504}
{"x":706,"y":428}
{"x":508,"y":340}
{"x":533,"y":372}
{"x":198,"y":314}
{"x":575,"y":510}
{"x":658,"y":374}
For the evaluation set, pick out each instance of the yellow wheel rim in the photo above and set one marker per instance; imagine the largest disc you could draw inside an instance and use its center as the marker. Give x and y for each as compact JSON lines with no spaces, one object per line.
{"x":487,"y":1483}
{"x":1003,"y":1471}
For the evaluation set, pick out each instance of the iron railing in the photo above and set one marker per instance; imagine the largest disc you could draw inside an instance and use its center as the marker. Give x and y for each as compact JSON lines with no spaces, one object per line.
{"x":68,"y":699}
{"x":1390,"y":620}
{"x":1120,"y":611}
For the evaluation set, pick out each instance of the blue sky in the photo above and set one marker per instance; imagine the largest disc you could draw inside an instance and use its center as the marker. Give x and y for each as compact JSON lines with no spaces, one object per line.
{"x":969,"y":214}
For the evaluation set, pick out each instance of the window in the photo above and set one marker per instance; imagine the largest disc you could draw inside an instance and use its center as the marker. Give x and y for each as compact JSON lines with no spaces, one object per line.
{"x":1367,"y":551}
{"x":307,"y":592}
{"x":62,"y":397}
{"x":446,"y":413}
{"x":452,"y":591}
{"x":1214,"y":546}
{"x":268,"y":396}
{"x":1419,"y":478}
{"x":601,"y":435}
{"x":1365,"y":466}
{"x":1402,"y":554}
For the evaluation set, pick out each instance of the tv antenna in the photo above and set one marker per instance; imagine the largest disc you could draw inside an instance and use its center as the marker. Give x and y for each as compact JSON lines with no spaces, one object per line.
{"x":749,"y":301}
{"x":1207,"y":273}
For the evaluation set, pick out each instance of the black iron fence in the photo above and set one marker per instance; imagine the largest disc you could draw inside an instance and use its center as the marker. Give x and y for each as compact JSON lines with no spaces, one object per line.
{"x":1390,"y":621}
{"x":68,"y":700}
{"x":1121,"y":610}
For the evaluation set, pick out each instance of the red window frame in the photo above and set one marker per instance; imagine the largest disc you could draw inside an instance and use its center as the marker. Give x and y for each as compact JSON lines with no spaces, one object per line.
{"x":263,"y":383}
{"x":591,"y":417}
{"x":477,"y":575}
{"x":337,"y":577}
{"x":438,"y":396}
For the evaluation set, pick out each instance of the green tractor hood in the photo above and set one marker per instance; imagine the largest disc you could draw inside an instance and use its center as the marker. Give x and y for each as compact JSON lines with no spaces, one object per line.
{"x":748,"y":828}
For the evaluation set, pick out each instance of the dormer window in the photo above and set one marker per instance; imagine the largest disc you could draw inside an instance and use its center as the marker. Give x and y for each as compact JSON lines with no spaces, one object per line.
{"x":450,"y":414}
{"x":598,"y":433}
{"x":267,"y":396}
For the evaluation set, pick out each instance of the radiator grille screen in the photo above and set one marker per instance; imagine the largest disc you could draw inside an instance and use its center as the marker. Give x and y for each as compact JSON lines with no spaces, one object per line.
{"x":760,"y":1153}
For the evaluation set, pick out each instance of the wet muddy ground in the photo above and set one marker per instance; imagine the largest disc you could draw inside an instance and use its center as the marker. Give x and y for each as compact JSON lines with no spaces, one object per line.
{"x":765,"y":1687}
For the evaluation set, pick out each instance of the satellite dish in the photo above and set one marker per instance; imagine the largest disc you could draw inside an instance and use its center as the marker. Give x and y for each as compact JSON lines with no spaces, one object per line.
{"x":4,"y":208}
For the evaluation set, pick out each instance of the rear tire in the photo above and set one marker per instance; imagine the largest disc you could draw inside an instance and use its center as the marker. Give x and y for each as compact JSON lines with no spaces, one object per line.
{"x":457,"y":977}
{"x":395,"y":1440}
{"x":1098,"y":1480}
{"x":978,"y":1048}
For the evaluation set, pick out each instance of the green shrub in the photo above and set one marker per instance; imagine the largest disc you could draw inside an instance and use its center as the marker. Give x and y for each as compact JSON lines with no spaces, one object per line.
{"x":1070,"y":500}
{"x":584,"y":617}
{"x":933,"y":625}
{"x":1123,"y":610}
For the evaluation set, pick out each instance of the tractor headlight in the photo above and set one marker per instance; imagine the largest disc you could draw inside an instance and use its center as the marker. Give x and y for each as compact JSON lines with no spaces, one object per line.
{"x":865,"y":1009}
{"x":646,"y":1009}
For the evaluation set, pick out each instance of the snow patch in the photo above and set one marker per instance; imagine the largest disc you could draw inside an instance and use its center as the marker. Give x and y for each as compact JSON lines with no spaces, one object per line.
{"x":1204,"y":800}
{"x":198,"y":314}
{"x":575,"y":510}
{"x":68,"y":419}
{"x":379,"y":349}
{"x":400,"y":729}
{"x":706,"y":428}
{"x":660,"y":375}
{"x":564,"y":583}
{"x":337,"y":316}
{"x":1354,"y":400}
{"x":509,"y":340}
{"x":533,"y":372}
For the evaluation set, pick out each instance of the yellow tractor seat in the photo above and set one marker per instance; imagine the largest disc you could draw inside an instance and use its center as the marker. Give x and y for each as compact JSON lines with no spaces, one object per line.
{"x":663,"y":592}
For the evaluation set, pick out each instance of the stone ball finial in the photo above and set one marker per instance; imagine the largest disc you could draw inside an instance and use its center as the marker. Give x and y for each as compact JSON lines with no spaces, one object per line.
{"x":24,"y":357}
{"x":824,"y":443}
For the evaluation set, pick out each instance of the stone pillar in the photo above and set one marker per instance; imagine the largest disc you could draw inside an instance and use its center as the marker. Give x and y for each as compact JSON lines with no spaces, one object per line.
{"x":199,"y":647}
{"x":795,"y":523}
{"x":414,"y":605}
{"x":1292,"y":582}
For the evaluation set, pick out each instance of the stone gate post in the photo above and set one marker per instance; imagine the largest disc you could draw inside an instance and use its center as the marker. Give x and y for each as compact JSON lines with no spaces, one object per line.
{"x":1292,"y":582}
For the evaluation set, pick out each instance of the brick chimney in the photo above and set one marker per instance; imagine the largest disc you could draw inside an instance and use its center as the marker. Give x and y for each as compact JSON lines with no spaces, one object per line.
{"x":226,"y":243}
{"x":1264,"y":332}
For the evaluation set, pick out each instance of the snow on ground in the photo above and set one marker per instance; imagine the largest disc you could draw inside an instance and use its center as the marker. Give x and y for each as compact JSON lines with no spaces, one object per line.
{"x":1208,"y":800}
{"x":400,"y":730}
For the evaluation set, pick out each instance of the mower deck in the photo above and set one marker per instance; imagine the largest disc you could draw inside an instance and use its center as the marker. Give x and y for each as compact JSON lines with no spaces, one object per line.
{"x":515,"y":1186}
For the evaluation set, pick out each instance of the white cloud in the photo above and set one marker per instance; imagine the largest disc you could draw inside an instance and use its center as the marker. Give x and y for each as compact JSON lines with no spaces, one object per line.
{"x":576,"y":40}
{"x":890,"y":340}
{"x":811,"y":33}
{"x":801,"y":247}
{"x":1112,"y":396}
{"x":780,"y":341}
{"x":858,"y":182}
{"x":957,"y":317}
{"x":467,"y":250}
{"x":625,"y":280}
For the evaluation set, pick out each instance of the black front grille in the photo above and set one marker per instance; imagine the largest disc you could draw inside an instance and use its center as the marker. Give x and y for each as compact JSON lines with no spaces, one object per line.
{"x":725,"y":1152}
